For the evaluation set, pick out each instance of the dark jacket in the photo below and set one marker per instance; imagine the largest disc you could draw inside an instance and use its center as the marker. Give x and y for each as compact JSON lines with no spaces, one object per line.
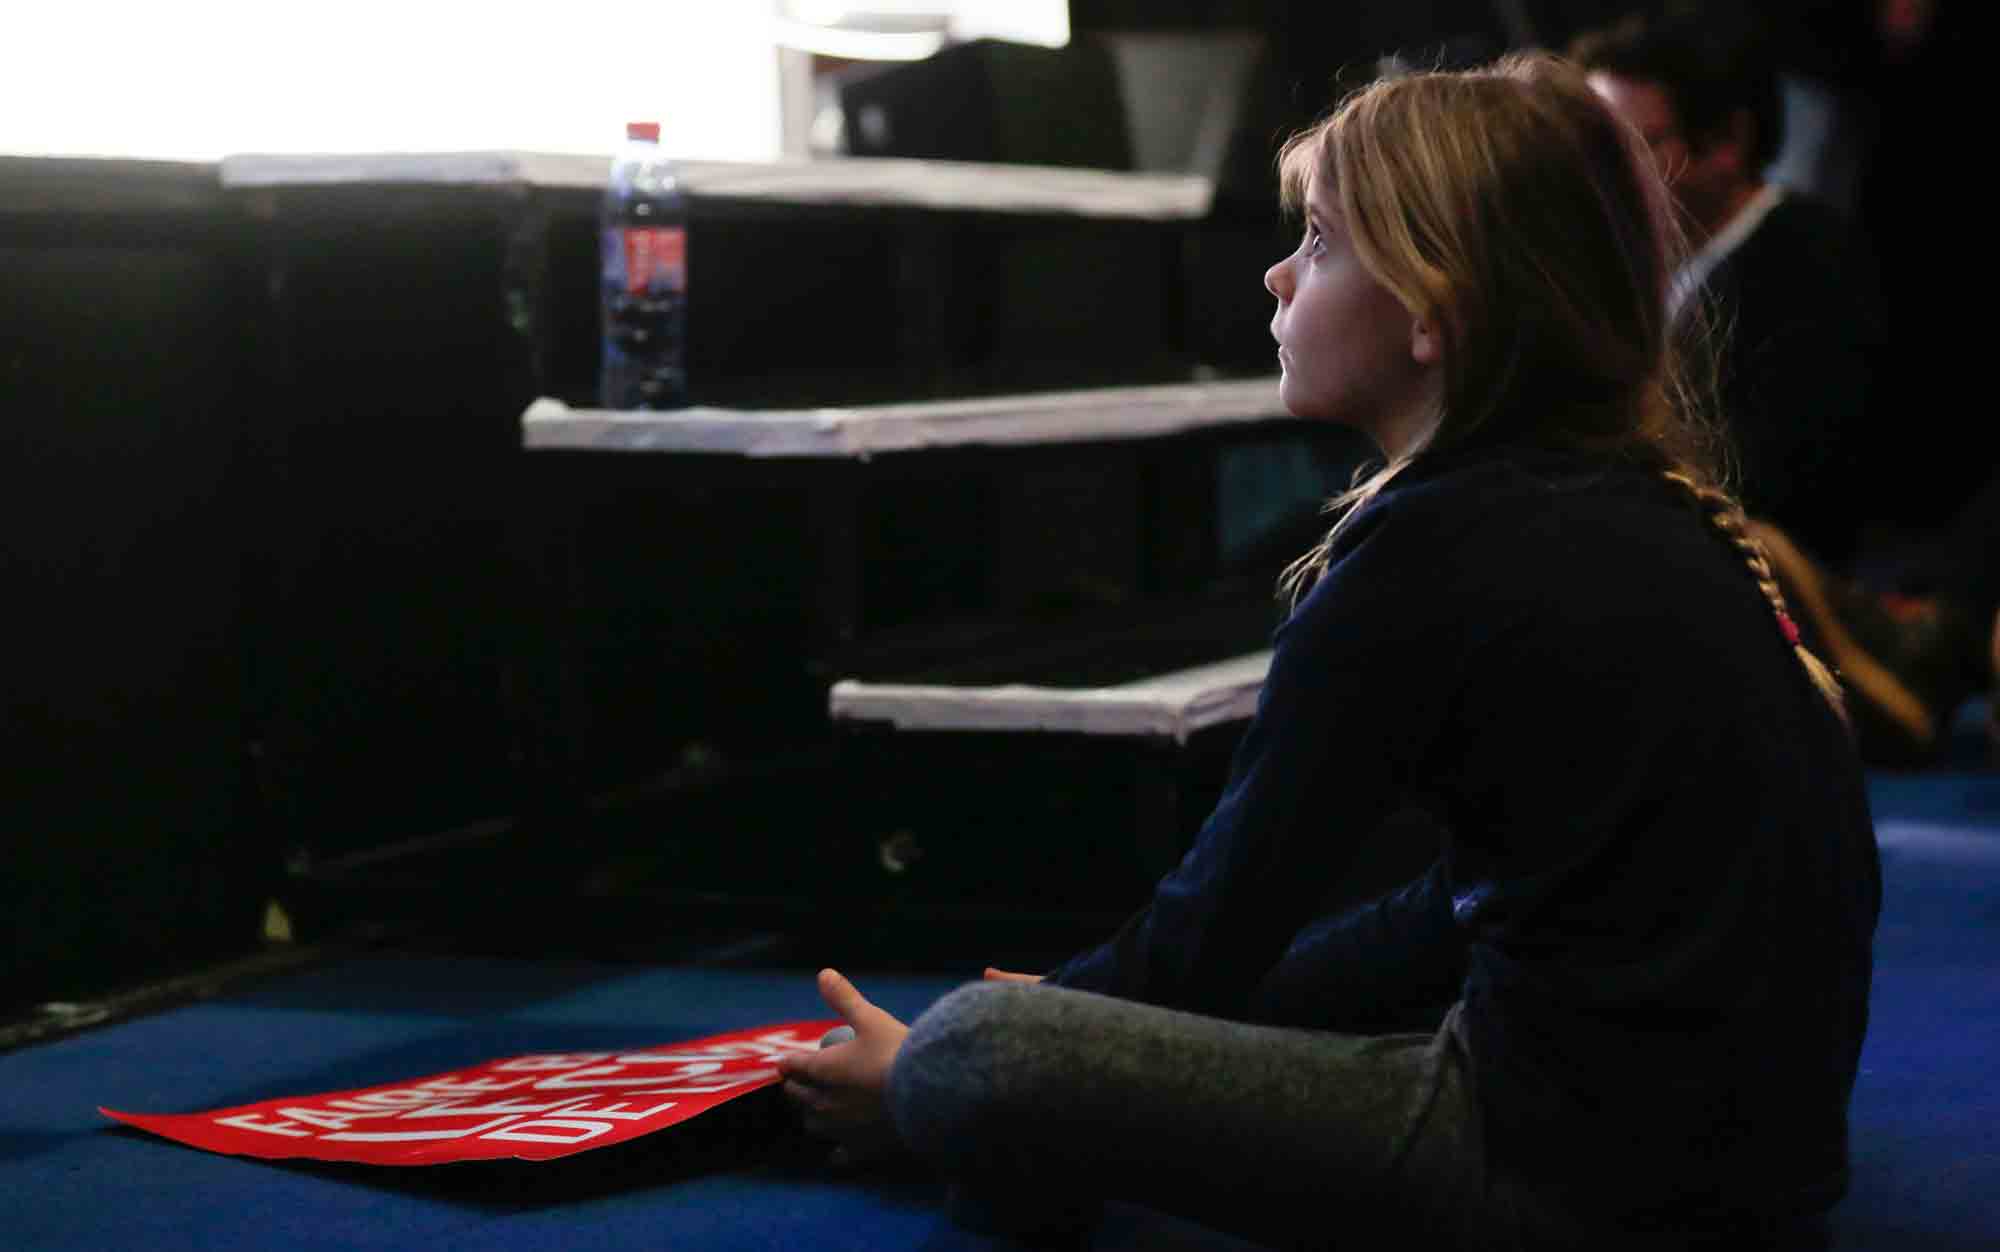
{"x":1659,"y":880}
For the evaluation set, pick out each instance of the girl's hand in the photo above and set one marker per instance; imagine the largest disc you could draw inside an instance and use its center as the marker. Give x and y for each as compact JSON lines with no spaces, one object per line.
{"x":839,"y":1089}
{"x":1001,"y":975}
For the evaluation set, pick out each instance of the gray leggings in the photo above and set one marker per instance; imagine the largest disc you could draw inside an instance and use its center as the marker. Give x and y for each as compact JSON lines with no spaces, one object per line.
{"x":1039,"y":1102}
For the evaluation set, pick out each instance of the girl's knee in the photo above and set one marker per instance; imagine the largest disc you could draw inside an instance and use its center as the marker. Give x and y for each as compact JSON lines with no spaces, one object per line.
{"x":950,"y":1081}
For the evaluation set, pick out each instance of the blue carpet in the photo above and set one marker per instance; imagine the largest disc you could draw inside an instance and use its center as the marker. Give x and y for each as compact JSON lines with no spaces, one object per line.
{"x":70,"y":1180}
{"x":1926,"y":1126}
{"x":1926,"y":1113}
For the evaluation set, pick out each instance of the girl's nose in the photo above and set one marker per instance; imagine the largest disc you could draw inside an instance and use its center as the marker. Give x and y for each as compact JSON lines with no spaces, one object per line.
{"x":1278,"y":280}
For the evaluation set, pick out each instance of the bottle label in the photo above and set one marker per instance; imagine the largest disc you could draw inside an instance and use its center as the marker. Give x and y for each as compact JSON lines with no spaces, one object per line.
{"x":655,"y":258}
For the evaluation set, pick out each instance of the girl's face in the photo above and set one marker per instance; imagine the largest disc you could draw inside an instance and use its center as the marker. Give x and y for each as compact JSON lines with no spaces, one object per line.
{"x":1349,"y":350}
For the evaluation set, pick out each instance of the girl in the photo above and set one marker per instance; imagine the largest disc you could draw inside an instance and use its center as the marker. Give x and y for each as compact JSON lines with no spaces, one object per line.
{"x":1541,"y":625}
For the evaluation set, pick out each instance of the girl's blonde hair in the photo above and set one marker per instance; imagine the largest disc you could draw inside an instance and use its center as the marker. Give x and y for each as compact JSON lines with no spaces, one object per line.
{"x":1511,"y":210}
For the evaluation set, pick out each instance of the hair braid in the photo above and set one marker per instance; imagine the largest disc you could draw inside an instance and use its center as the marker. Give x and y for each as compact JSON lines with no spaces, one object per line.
{"x":1727,"y":517}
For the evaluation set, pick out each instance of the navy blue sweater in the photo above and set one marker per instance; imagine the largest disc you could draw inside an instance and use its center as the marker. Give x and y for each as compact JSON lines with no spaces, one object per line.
{"x":1659,"y":880}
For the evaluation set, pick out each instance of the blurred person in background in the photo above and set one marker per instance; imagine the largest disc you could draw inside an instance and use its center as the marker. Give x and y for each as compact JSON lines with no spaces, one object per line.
{"x":1792,"y":293}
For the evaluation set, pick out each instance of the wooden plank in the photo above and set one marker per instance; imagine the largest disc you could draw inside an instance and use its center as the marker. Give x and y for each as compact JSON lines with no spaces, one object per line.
{"x":880,"y":182}
{"x":1091,"y":414}
{"x":1174,"y":705}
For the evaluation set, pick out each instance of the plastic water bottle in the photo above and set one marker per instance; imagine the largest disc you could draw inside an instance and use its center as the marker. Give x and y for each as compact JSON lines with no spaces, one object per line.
{"x":644,"y":254}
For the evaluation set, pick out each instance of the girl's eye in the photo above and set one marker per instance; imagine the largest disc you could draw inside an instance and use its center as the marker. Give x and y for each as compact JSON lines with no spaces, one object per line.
{"x":1315,"y":241}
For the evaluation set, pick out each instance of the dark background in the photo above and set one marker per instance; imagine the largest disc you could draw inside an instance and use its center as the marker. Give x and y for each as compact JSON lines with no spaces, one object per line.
{"x":267,"y":581}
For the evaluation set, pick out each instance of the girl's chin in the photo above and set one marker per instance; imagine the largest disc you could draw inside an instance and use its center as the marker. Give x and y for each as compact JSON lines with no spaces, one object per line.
{"x":1288,"y":393}
{"x":1294,"y":398}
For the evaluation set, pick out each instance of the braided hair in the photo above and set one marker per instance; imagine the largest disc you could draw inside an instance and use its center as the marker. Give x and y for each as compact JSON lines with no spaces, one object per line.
{"x":1735,"y":529}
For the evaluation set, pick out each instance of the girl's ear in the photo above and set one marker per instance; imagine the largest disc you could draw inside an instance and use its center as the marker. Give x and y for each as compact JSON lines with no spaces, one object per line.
{"x":1426,"y":346}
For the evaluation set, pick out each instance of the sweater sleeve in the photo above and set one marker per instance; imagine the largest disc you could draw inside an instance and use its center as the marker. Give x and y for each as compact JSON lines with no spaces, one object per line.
{"x":1360,"y":676}
{"x":1395,"y":962}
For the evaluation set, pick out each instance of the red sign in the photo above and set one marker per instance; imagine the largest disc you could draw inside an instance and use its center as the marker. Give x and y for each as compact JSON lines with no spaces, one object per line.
{"x":535,"y":1107}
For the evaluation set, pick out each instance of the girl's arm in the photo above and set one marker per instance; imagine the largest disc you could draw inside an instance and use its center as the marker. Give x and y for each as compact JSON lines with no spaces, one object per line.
{"x":1360,"y":679}
{"x":1392,"y":963}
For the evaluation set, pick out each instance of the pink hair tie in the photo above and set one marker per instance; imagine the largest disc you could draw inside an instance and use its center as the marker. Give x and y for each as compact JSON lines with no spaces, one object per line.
{"x":1790,"y":627}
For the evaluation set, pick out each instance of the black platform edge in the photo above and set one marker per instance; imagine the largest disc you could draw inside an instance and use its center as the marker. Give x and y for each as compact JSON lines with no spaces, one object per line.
{"x":63,"y":1019}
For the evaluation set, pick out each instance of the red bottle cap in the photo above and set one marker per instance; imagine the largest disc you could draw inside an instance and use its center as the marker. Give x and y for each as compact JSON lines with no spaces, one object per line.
{"x":648,"y":131}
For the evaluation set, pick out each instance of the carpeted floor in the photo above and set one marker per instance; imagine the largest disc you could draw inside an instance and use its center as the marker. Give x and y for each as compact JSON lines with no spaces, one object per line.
{"x":1926,"y":1119}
